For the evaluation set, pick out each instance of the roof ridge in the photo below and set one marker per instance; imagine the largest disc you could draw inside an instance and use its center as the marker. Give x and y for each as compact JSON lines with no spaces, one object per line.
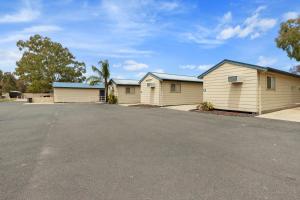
{"x":257,"y":67}
{"x":125,"y":79}
{"x":243,"y":63}
{"x":173,"y":74}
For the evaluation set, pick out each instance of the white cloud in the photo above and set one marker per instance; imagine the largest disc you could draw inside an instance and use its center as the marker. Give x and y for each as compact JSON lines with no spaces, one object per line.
{"x":169,"y":6}
{"x":290,"y":15}
{"x":42,"y":29}
{"x":227,"y":17}
{"x":266,"y":61}
{"x":8,"y":59}
{"x":260,"y":8}
{"x":13,"y":37}
{"x":131,"y":65}
{"x":228,"y":33}
{"x":253,"y":27}
{"x":204,"y":67}
{"x":196,"y":67}
{"x":25,"y":33}
{"x":202,"y":38}
{"x":27,"y":13}
{"x":127,"y":26}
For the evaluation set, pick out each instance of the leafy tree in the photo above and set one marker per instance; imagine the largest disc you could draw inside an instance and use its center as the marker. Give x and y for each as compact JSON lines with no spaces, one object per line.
{"x":44,"y":62}
{"x":289,"y":38}
{"x":9,"y":82}
{"x":103,"y":73}
{"x":21,"y":86}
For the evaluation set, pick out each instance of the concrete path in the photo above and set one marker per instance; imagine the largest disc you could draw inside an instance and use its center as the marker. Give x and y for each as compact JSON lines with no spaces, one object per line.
{"x":183,"y":107}
{"x":287,"y":115}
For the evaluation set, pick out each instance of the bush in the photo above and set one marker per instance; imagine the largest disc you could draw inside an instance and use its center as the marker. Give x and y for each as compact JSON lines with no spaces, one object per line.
{"x":206,"y":106}
{"x":112,"y":99}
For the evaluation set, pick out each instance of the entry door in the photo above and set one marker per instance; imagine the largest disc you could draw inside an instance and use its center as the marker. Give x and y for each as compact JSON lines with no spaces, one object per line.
{"x":152,"y":92}
{"x":102,"y":95}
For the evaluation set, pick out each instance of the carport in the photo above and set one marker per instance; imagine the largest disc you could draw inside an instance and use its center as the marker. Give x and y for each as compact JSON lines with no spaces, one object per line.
{"x":78,"y":92}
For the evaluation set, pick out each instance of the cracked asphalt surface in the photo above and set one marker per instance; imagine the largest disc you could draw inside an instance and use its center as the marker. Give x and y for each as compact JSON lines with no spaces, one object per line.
{"x":93,"y":151}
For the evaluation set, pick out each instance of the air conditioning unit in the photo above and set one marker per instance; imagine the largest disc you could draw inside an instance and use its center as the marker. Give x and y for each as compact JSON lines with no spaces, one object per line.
{"x":151,"y":85}
{"x":235,"y":79}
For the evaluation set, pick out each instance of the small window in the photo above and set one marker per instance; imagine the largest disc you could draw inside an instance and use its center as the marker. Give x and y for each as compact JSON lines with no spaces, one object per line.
{"x":271,"y":83}
{"x":130,"y":90}
{"x":175,"y":87}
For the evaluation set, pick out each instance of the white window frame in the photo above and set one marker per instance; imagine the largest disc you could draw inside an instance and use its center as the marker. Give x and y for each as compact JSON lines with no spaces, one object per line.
{"x":177,"y":88}
{"x":273,"y":82}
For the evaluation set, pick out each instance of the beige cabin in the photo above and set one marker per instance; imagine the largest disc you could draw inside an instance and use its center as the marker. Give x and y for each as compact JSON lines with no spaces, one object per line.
{"x":163,"y":89}
{"x":77,"y":92}
{"x":126,"y":90}
{"x":232,"y":85}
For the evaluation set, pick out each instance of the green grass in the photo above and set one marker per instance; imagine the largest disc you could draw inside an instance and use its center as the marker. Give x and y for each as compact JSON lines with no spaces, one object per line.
{"x":5,"y":100}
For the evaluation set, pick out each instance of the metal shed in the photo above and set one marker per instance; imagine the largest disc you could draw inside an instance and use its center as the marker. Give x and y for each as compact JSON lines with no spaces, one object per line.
{"x":78,"y":92}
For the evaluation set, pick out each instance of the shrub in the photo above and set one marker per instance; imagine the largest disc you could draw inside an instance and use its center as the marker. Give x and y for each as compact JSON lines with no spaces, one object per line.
{"x":112,"y":99}
{"x":206,"y":106}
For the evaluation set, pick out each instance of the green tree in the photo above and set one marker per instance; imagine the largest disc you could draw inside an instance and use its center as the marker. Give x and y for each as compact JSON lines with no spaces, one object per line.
{"x":44,"y":62}
{"x":9,"y":82}
{"x":289,"y":38}
{"x":102,"y":73}
{"x":21,"y":86}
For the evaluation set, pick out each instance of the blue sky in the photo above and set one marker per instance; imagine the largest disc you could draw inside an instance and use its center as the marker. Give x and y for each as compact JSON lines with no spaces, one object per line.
{"x":137,"y":36}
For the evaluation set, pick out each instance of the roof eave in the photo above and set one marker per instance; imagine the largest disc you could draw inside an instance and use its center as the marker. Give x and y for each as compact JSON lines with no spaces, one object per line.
{"x":232,"y":62}
{"x":200,"y":81}
{"x":149,"y":73}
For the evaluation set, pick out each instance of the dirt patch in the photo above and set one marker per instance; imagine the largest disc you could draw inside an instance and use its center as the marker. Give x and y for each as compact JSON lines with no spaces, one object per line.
{"x":227,"y":113}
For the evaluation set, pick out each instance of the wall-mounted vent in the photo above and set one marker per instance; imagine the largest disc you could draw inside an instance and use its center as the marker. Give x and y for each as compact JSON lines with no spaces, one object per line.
{"x":234,"y":79}
{"x":151,"y":85}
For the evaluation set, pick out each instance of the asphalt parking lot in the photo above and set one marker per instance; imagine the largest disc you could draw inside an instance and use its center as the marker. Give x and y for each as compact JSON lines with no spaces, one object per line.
{"x":93,"y":151}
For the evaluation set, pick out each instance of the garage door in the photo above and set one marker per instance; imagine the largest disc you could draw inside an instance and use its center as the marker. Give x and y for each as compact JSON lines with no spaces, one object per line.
{"x":76,"y":95}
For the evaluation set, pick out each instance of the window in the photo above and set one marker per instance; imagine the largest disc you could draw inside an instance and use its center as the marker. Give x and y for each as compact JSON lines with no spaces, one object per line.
{"x":271,"y":83}
{"x":130,"y":90}
{"x":175,"y":87}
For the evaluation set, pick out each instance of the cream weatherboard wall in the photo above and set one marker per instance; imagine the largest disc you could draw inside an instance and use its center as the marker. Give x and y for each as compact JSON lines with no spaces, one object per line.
{"x":76,"y":95}
{"x":286,"y":93}
{"x":231,"y":96}
{"x":120,"y":92}
{"x":161,"y":95}
{"x":191,"y":93}
{"x":150,"y":95}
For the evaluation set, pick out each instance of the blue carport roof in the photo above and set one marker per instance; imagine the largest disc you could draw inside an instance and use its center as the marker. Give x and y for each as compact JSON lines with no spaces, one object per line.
{"x":77,"y":85}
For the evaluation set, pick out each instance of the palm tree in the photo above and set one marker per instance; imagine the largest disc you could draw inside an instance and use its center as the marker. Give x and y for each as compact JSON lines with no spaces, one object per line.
{"x":103,"y":73}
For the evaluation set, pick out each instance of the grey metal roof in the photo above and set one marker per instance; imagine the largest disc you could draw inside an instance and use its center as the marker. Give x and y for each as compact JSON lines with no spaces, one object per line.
{"x":77,"y":85}
{"x":173,"y":77}
{"x":257,"y":67}
{"x":125,"y":81}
